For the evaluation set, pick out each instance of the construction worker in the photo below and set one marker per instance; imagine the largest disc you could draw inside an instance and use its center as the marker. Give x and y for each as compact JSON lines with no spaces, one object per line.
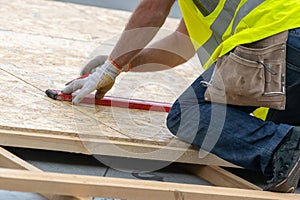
{"x":213,"y":28}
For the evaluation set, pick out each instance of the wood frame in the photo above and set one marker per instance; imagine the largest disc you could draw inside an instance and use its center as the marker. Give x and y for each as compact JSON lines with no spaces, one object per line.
{"x":66,"y":184}
{"x":219,"y":176}
{"x":51,"y":140}
{"x":72,"y":143}
{"x":26,"y":178}
{"x":9,"y":160}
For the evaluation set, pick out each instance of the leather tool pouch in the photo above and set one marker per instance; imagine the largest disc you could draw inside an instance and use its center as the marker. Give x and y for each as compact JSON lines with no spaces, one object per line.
{"x":251,"y":75}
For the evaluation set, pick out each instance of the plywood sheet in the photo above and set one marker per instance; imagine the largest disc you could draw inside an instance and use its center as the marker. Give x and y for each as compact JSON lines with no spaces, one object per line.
{"x":64,"y":20}
{"x":24,"y":106}
{"x":45,"y":43}
{"x":46,"y":55}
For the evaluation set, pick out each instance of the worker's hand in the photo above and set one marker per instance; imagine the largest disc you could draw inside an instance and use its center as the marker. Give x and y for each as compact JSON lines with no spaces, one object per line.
{"x":102,"y":80}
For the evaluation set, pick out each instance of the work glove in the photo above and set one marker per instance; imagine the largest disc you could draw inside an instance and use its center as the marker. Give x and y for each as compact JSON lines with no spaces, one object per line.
{"x":102,"y":79}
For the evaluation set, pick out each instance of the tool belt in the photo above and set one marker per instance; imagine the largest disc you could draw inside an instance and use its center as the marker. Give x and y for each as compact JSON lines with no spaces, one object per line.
{"x":251,"y":75}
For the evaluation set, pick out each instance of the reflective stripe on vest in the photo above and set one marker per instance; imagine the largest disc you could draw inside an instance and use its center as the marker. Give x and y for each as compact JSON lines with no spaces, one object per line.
{"x":206,"y":7}
{"x":221,"y":22}
{"x":243,"y":11}
{"x":219,"y":26}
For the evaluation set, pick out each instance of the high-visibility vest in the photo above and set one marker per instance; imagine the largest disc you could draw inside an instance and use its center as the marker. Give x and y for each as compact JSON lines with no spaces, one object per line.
{"x":217,"y":26}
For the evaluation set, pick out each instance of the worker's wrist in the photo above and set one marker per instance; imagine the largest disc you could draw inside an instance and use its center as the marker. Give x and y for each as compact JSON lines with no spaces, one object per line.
{"x":109,"y":69}
{"x":125,"y":68}
{"x":116,"y":65}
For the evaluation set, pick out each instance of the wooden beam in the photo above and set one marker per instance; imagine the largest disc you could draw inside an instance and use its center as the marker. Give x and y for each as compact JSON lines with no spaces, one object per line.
{"x":11,"y":161}
{"x":220,"y":177}
{"x":66,"y":184}
{"x":101,"y":145}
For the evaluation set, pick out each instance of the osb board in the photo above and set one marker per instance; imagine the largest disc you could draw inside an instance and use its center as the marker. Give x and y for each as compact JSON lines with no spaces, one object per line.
{"x":50,"y":38}
{"x":31,"y":120}
{"x":24,"y":106}
{"x":45,"y":43}
{"x":64,"y":20}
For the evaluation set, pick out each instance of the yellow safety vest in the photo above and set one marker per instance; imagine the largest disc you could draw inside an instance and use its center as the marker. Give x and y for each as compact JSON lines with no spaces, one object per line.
{"x":218,"y":26}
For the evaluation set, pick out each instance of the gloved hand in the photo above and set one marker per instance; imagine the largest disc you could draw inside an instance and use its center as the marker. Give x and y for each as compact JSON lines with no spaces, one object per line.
{"x":102,"y":80}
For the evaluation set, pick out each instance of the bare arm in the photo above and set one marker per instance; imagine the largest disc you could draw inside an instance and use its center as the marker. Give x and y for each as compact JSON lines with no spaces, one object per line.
{"x":143,"y":25}
{"x":169,"y":52}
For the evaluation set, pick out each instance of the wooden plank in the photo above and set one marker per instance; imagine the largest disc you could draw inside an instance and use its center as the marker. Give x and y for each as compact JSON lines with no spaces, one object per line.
{"x":66,"y":184}
{"x":97,"y":145}
{"x":11,"y":161}
{"x":219,"y":177}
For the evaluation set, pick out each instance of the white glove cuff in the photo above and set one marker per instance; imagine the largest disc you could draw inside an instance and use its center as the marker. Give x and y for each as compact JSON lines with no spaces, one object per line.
{"x":109,"y":69}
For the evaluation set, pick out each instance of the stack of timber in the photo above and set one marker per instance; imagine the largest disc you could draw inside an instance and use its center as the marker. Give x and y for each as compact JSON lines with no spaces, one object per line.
{"x":43,"y":45}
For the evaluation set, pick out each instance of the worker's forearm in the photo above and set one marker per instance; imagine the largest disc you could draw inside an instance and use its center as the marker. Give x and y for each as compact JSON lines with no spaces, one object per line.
{"x":143,"y":25}
{"x":169,"y":52}
{"x":165,"y":54}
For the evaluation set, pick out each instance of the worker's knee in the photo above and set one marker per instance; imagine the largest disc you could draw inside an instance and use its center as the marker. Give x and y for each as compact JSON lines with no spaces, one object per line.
{"x":184,"y":121}
{"x":173,"y":119}
{"x":185,"y":114}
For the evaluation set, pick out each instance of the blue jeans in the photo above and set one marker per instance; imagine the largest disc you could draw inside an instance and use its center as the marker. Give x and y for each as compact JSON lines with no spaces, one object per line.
{"x":230,"y":132}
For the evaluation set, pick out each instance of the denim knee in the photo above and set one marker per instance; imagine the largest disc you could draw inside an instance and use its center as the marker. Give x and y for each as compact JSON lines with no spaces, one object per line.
{"x":173,"y":119}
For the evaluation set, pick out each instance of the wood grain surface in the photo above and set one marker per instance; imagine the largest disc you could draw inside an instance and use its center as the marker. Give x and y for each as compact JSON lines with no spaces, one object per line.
{"x":45,"y":43}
